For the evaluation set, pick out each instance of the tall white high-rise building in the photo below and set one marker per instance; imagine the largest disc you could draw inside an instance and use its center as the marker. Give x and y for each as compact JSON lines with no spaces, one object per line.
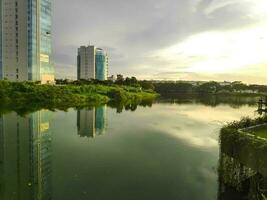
{"x":86,"y":63}
{"x":25,"y":40}
{"x":92,"y":63}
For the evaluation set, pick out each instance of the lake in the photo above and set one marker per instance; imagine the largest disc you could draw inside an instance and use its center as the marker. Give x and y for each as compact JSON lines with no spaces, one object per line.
{"x":168,"y":150}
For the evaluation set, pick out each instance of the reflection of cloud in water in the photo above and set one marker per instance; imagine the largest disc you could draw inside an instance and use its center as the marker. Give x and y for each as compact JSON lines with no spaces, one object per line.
{"x":221,"y":113}
{"x":194,"y":135}
{"x":197,"y":125}
{"x":195,"y":140}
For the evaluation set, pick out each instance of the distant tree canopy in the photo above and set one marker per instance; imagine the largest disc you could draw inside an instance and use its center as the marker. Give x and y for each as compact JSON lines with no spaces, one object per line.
{"x":238,"y":86}
{"x":128,"y":81}
{"x":147,"y":85}
{"x":211,"y":87}
{"x":172,"y":87}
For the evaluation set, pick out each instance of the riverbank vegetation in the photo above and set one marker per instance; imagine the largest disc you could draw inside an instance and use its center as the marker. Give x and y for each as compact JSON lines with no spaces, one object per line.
{"x":216,"y":88}
{"x":245,"y":122}
{"x":209,"y":100}
{"x":243,"y":161}
{"x":33,"y":96}
{"x":173,"y":88}
{"x":120,"y":80}
{"x":234,"y":129}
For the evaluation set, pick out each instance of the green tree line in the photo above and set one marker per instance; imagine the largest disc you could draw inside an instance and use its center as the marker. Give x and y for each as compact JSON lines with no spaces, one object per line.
{"x":208,"y":88}
{"x":33,"y":95}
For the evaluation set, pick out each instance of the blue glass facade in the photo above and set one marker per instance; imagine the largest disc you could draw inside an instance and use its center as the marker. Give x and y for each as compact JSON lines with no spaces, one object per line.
{"x":31,"y":46}
{"x":78,"y":67}
{"x":33,"y":68}
{"x":101,"y":65}
{"x":42,"y":150}
{"x":39,"y":39}
{"x":101,"y":120}
{"x":45,"y":37}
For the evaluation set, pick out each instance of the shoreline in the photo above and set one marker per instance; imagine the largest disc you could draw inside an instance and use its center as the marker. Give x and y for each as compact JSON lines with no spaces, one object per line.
{"x":29,"y":96}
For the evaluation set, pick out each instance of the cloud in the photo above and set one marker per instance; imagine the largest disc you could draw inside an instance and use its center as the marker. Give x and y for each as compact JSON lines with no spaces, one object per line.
{"x":133,"y":31}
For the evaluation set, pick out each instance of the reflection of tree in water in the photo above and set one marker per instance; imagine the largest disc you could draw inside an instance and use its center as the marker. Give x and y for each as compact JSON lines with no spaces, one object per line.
{"x":234,"y":102}
{"x":211,"y":100}
{"x":130,"y":106}
{"x":242,"y":167}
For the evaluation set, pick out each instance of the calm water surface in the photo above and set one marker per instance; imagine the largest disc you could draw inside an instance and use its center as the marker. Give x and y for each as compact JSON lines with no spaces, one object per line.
{"x":167,"y":151}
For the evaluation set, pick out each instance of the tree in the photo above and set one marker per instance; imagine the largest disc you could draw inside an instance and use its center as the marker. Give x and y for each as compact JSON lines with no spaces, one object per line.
{"x":147,"y":85}
{"x":120,"y":79}
{"x":239,"y":86}
{"x":209,"y":87}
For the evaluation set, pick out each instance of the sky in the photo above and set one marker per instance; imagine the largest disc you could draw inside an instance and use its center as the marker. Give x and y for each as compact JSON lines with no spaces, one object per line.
{"x":202,"y":40}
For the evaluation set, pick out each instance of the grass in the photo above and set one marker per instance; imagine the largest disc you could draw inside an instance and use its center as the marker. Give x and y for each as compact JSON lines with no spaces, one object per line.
{"x":260,"y":132}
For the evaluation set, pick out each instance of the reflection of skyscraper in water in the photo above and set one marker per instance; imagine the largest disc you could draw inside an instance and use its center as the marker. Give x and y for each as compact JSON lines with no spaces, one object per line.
{"x":25,"y":156}
{"x":101,"y":120}
{"x":92,"y":122}
{"x":86,"y":123}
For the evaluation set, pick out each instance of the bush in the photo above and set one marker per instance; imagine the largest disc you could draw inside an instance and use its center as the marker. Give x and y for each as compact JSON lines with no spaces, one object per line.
{"x":117,"y":95}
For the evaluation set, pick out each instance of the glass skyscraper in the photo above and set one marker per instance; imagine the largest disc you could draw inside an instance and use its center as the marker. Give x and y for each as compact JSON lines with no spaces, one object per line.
{"x":101,"y":65}
{"x":92,"y":63}
{"x":101,"y":120}
{"x":25,"y":45}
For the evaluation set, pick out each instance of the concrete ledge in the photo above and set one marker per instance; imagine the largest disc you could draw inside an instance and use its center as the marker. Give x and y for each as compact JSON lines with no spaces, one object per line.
{"x":248,"y":131}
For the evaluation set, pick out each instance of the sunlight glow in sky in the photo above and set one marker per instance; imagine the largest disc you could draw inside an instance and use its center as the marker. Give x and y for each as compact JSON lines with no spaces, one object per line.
{"x":260,"y":7}
{"x":221,"y":52}
{"x":167,"y":39}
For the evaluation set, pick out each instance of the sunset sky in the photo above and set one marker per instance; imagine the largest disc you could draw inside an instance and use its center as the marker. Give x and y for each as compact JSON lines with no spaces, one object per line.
{"x":166,"y":39}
